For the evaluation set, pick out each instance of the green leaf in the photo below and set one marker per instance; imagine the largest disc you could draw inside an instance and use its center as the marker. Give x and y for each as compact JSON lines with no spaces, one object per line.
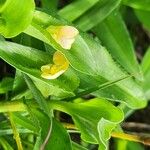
{"x":138,"y":4}
{"x":37,"y":95}
{"x":58,"y":138}
{"x":96,"y":14}
{"x":94,"y":63}
{"x":15,"y":16}
{"x":95,"y":118}
{"x":6,"y":85}
{"x":88,"y":57}
{"x":146,"y":70}
{"x":24,"y":122}
{"x":146,"y":61}
{"x":114,"y":35}
{"x":19,"y":86}
{"x":29,"y":61}
{"x":144,"y":17}
{"x":27,"y":40}
{"x":76,"y":9}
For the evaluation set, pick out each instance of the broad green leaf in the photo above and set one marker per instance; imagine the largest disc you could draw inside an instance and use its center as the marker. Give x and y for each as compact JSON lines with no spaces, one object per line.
{"x":114,"y":35}
{"x":138,"y":4}
{"x":144,"y":17}
{"x":29,"y":61}
{"x":96,"y":14}
{"x":58,"y":138}
{"x":6,"y":85}
{"x":95,"y":118}
{"x":88,"y":57}
{"x":76,"y":9}
{"x":146,"y":70}
{"x":15,"y":16}
{"x":104,"y":72}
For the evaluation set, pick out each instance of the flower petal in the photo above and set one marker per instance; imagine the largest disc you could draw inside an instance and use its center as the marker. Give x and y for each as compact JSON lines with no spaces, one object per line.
{"x":53,"y":71}
{"x":63,"y":35}
{"x":54,"y":76}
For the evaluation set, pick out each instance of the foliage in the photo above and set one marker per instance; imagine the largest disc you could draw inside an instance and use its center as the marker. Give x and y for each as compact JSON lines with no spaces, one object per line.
{"x":92,"y":38}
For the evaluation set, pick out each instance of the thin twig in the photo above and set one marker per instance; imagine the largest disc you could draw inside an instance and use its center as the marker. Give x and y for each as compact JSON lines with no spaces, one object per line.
{"x":135,"y":138}
{"x":125,"y":136}
{"x":136,"y":125}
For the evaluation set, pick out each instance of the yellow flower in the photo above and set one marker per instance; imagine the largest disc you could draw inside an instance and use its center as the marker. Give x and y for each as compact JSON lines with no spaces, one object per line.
{"x":53,"y":71}
{"x":63,"y":35}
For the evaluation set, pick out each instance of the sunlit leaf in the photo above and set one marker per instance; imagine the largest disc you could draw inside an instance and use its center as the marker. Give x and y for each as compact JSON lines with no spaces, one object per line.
{"x":29,"y":61}
{"x":90,"y":58}
{"x":95,"y":118}
{"x":15,"y":16}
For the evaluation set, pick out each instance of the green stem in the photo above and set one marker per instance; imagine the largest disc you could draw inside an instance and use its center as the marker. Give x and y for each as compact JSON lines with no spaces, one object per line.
{"x":12,"y":106}
{"x":15,"y":132}
{"x":100,"y":87}
{"x":18,"y":105}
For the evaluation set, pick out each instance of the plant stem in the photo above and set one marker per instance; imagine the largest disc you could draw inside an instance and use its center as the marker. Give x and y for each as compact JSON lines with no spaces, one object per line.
{"x":99,"y":87}
{"x":135,"y":138}
{"x":12,"y":106}
{"x":15,"y":132}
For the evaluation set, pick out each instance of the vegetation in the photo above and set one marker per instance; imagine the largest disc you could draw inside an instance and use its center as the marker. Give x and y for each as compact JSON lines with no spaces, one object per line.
{"x":79,"y":69}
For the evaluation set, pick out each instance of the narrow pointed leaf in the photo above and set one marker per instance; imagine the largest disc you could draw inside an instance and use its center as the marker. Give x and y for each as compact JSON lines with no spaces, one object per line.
{"x":146,"y":70}
{"x":113,"y":34}
{"x":96,"y":14}
{"x":76,"y":9}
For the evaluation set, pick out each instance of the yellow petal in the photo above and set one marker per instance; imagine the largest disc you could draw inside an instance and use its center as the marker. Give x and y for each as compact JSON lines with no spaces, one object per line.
{"x":52,"y":71}
{"x":66,"y":43}
{"x":59,"y":58}
{"x":50,"y":76}
{"x":63,"y":35}
{"x":46,"y":68}
{"x":68,"y":32}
